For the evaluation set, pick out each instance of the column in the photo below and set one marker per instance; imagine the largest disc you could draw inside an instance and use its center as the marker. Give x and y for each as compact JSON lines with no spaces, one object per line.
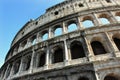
{"x":67,"y":55}
{"x":38,"y":38}
{"x":47,"y":57}
{"x":89,"y":52}
{"x":6,"y":72}
{"x":96,"y":20}
{"x":20,"y":48}
{"x":64,"y":28}
{"x":111,"y":44}
{"x":21,"y":65}
{"x":80,"y":23}
{"x":32,"y":61}
{"x":29,"y":42}
{"x":12,"y":70}
{"x":112,"y":17}
{"x":50,"y":35}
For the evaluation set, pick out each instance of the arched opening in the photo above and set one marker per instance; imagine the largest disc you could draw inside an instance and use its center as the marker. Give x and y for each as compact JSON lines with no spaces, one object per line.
{"x":33,"y":40}
{"x":16,"y":66}
{"x":117,"y":42}
{"x":45,"y":36}
{"x":26,"y":63}
{"x":108,"y":1}
{"x":104,"y":20}
{"x":41,"y":60}
{"x":24,"y":44}
{"x":83,"y":78}
{"x":88,"y":23}
{"x":110,"y":78}
{"x":98,"y":48}
{"x":58,"y":31}
{"x":58,"y":55}
{"x":77,"y":50}
{"x":72,"y":27}
{"x":117,"y":16}
{"x":8,"y":70}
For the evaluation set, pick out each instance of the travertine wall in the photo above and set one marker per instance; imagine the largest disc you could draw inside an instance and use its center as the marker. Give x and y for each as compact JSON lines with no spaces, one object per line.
{"x":33,"y":58}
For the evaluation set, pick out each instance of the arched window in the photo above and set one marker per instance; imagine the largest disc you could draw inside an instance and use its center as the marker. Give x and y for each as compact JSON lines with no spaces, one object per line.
{"x":41,"y":60}
{"x":33,"y":40}
{"x":26,"y":63}
{"x":24,"y":44}
{"x":117,"y":42}
{"x":58,"y":31}
{"x":58,"y":55}
{"x":110,"y":78}
{"x":77,"y":50}
{"x":88,"y":23}
{"x":104,"y":20}
{"x":8,"y":70}
{"x":83,"y":78}
{"x":16,"y":67}
{"x":72,"y":27}
{"x":117,"y":16}
{"x":45,"y":36}
{"x":98,"y":48}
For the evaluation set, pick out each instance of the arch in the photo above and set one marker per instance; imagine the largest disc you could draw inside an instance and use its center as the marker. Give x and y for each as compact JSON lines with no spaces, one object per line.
{"x":42,"y":60}
{"x":88,"y":21}
{"x":98,"y":48}
{"x":57,"y":31}
{"x":112,"y":76}
{"x":26,"y":63}
{"x":104,"y":18}
{"x":45,"y":35}
{"x":117,"y":42}
{"x":8,"y":70}
{"x":83,"y":78}
{"x":117,"y":16}
{"x":108,"y":1}
{"x":72,"y":26}
{"x":16,"y":66}
{"x":33,"y":40}
{"x":58,"y":55}
{"x":24,"y":44}
{"x":77,"y":50}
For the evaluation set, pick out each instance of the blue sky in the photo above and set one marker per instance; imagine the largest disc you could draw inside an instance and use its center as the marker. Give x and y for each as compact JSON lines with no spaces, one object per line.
{"x":14,"y":14}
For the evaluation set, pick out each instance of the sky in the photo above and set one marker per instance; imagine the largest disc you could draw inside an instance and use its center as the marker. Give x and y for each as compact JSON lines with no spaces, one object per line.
{"x":14,"y":14}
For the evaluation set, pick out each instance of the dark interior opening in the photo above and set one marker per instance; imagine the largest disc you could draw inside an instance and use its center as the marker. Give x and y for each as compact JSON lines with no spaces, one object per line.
{"x":42,"y":60}
{"x":98,"y":48}
{"x":80,"y":5}
{"x":16,"y":67}
{"x":27,"y":63}
{"x":56,"y":13}
{"x":77,"y":50}
{"x":117,"y":42}
{"x":110,"y":78}
{"x":58,"y":56}
{"x":109,"y":1}
{"x":83,"y":78}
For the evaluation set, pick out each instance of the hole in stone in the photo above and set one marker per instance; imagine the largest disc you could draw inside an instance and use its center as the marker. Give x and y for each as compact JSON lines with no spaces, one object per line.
{"x":80,"y":5}
{"x":56,"y":13}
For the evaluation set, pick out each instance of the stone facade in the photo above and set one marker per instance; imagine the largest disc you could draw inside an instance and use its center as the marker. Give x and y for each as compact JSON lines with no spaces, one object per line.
{"x":83,"y":53}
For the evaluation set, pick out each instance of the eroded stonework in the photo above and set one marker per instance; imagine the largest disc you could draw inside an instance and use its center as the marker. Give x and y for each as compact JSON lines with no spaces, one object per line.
{"x":73,"y":40}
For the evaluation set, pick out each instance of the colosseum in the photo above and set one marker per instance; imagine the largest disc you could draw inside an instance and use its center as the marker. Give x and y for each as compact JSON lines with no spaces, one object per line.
{"x":73,"y":40}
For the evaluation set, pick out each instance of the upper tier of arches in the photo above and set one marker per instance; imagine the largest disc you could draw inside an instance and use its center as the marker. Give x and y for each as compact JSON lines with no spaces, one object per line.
{"x":62,"y":10}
